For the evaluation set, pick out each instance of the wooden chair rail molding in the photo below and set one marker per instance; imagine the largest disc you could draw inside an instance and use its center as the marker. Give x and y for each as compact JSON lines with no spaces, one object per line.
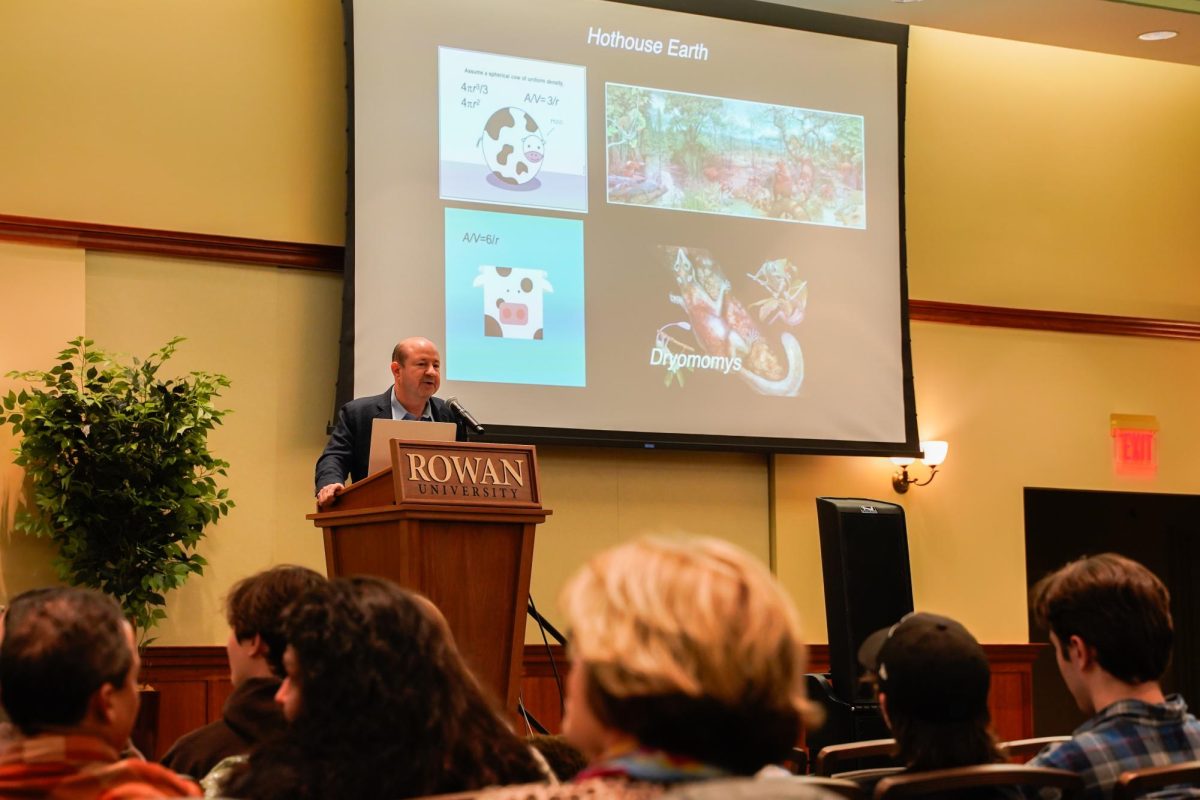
{"x":193,"y":684}
{"x":1062,"y":321}
{"x":147,"y":241}
{"x":329,"y":258}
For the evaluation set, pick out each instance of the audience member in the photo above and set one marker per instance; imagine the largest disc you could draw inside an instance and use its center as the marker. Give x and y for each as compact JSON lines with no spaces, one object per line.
{"x":931,"y":679}
{"x":687,"y":665}
{"x":254,"y":610}
{"x":1110,"y":626}
{"x":379,"y":704}
{"x":68,"y":680}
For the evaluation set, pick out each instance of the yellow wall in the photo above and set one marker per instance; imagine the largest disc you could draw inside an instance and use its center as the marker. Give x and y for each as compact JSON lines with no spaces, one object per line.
{"x":1037,"y":177}
{"x":1042,"y":177}
{"x":213,"y":116}
{"x":41,"y":309}
{"x":604,"y":496}
{"x":1020,"y":409}
{"x":274,"y":333}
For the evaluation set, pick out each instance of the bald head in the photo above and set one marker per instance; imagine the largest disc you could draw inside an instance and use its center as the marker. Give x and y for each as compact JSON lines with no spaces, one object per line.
{"x":417,"y":371}
{"x":405,"y":346}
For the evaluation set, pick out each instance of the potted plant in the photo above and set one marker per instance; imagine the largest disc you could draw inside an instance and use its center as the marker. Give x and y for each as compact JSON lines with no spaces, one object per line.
{"x":123,"y":481}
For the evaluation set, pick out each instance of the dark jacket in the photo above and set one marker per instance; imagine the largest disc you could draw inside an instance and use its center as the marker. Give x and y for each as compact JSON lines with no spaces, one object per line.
{"x":250,"y":715}
{"x":349,"y":449}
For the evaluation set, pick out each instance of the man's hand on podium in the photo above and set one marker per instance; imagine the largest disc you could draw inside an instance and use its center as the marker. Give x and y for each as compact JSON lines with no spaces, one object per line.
{"x":327,"y":493}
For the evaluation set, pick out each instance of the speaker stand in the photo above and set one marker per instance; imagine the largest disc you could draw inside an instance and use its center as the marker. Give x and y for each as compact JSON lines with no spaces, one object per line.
{"x":844,"y":722}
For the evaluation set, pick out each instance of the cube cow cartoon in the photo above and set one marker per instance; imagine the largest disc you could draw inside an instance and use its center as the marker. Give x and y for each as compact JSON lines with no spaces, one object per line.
{"x":512,"y":301}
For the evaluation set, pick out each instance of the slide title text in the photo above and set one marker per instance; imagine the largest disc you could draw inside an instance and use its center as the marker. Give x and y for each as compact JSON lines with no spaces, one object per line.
{"x":674,"y":48}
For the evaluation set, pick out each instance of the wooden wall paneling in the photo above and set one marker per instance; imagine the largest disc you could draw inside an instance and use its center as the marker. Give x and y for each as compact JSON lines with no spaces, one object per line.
{"x":194,"y":683}
{"x":539,"y":688}
{"x":1011,"y":698}
{"x":182,"y":707}
{"x":818,"y":658}
{"x":218,"y":691}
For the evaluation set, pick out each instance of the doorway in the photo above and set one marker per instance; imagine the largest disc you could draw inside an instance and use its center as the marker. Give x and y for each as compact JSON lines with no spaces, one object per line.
{"x":1162,"y":531}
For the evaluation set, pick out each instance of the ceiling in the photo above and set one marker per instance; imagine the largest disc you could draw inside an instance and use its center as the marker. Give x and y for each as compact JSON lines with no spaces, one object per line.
{"x":1103,"y":26}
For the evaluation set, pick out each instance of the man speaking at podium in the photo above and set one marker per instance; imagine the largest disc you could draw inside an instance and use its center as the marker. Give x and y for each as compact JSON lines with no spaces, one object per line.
{"x":417,"y":374}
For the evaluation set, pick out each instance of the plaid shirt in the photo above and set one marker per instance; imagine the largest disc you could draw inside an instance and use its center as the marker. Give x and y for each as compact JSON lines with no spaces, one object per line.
{"x":1129,"y":734}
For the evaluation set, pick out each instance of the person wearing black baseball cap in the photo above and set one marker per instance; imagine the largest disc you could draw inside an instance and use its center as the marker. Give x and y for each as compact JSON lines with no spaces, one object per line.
{"x":932,"y":678}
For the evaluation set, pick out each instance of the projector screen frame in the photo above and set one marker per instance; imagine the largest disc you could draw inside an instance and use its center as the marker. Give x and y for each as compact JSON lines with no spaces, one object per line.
{"x":749,"y":11}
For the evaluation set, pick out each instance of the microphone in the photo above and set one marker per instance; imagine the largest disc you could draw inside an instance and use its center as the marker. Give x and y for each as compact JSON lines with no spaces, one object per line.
{"x":472,"y":424}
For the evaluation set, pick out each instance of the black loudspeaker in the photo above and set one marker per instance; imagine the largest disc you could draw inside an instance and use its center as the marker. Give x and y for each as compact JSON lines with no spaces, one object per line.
{"x":868,"y":584}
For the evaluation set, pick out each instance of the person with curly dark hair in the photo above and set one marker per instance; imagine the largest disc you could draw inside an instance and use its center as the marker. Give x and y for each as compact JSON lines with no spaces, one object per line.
{"x":379,"y":704}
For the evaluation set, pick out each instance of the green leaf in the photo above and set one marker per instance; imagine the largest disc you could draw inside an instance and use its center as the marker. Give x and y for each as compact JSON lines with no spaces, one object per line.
{"x":122,"y":480}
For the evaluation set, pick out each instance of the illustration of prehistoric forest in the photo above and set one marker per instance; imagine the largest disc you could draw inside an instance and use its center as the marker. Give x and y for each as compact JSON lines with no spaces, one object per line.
{"x":735,"y":157}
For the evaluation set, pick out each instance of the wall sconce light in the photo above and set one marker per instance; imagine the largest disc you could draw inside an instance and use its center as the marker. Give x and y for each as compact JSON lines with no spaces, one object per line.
{"x":933,"y":454}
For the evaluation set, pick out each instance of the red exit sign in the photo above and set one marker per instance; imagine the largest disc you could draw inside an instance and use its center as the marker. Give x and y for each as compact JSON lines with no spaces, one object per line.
{"x":1134,"y":444}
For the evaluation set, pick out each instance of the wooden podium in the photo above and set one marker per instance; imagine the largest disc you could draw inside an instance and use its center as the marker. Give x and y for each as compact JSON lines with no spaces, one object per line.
{"x":455,"y":522}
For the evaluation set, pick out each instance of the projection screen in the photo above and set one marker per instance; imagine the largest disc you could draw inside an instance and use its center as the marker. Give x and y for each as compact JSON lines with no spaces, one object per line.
{"x":626,"y":224}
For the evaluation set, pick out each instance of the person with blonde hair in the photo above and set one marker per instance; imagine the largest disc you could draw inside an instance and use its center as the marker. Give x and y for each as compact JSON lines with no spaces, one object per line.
{"x":687,"y":663}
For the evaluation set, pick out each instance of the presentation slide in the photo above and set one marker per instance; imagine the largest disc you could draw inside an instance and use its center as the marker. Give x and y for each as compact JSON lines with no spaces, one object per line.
{"x":627,"y":224}
{"x":511,"y":159}
{"x":770,"y":162}
{"x":509,"y":278}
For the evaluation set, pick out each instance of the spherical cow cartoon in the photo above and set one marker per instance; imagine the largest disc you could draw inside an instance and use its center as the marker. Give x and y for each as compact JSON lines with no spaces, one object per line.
{"x":513,"y":146}
{"x":512,"y":301}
